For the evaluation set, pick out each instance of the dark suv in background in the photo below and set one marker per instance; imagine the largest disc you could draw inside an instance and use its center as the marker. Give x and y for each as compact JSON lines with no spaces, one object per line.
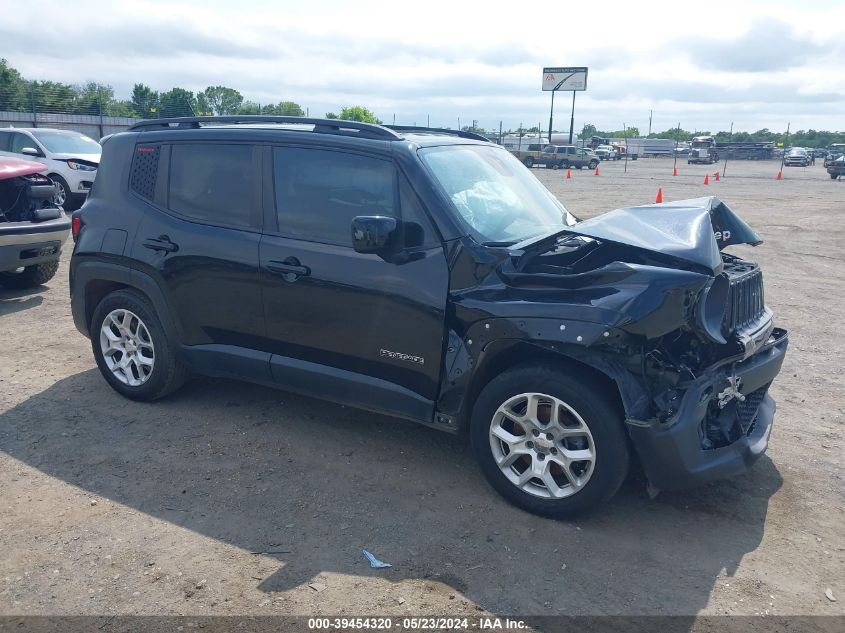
{"x":426,"y":274}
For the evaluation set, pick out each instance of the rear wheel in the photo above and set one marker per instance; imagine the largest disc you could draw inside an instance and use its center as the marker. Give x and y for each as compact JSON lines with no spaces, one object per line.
{"x":30,"y":276}
{"x":132,"y":349}
{"x":548,"y":442}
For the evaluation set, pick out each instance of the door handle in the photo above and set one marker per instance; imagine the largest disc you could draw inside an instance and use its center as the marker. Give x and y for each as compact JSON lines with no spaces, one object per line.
{"x":290,"y":269}
{"x":162,"y":243}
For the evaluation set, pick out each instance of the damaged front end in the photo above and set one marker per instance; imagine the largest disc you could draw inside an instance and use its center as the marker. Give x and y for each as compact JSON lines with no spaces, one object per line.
{"x":646,"y":296}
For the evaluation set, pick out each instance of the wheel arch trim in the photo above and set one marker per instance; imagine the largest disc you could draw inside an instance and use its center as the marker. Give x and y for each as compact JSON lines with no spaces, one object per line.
{"x":86,"y":273}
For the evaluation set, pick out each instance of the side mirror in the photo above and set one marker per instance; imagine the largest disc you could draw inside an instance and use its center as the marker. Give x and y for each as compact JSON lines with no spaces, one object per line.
{"x":373,"y":233}
{"x":30,"y":151}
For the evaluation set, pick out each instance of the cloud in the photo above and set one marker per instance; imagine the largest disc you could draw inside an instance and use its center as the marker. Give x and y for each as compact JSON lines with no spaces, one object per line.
{"x":755,"y":70}
{"x":769,"y":45}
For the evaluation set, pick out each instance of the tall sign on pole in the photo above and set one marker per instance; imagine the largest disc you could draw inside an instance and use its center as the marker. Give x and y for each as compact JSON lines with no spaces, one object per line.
{"x":564,"y":78}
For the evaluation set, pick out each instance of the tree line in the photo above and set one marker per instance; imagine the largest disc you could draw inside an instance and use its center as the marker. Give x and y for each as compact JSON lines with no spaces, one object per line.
{"x":18,"y":94}
{"x":800,"y":138}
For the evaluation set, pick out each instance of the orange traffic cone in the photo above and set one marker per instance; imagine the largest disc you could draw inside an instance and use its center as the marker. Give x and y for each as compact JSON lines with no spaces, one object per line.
{"x":706,"y":179}
{"x":597,"y":170}
{"x":674,"y":171}
{"x":659,"y":198}
{"x":779,"y":176}
{"x":716,"y":176}
{"x":568,"y":174}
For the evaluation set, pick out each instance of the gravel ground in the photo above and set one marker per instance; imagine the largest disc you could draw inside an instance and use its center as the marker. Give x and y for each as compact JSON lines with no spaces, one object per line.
{"x":235,"y":499}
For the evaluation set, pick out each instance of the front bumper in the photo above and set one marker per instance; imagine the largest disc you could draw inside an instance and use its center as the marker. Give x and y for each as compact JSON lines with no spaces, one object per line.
{"x":675,"y":454}
{"x":78,"y":181}
{"x":29,"y":244}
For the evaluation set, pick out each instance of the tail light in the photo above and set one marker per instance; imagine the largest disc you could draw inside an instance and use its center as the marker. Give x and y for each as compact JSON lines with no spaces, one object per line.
{"x":75,"y":226}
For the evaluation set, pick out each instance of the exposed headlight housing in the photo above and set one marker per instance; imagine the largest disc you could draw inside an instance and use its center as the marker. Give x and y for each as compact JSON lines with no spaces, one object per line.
{"x":710,"y":309}
{"x":80,"y":166}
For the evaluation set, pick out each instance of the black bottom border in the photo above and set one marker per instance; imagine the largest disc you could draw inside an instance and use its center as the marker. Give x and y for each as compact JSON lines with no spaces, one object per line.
{"x":542,"y":624}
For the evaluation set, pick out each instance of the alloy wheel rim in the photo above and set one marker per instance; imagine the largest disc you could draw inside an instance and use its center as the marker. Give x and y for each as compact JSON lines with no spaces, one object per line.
{"x":127,"y":347}
{"x":542,"y":445}
{"x":61,"y":194}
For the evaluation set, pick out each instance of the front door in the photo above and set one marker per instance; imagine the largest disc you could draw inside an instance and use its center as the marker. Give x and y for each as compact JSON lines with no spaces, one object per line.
{"x":363,"y":330}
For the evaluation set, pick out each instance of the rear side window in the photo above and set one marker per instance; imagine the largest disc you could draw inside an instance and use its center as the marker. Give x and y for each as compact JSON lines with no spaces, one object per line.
{"x":318,"y":192}
{"x":4,"y":141}
{"x":214,"y":183}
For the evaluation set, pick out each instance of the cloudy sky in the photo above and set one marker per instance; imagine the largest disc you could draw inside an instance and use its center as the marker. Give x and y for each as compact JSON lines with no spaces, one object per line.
{"x":758,"y":64}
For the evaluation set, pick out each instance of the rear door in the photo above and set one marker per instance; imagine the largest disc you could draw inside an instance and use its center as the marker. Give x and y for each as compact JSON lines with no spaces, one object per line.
{"x":352,"y":326}
{"x":199,"y":237}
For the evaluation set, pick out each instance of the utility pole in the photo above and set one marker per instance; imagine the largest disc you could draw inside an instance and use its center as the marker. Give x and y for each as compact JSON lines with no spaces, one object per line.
{"x":625,"y":132}
{"x":730,"y":136}
{"x":785,"y":141}
{"x":650,"y":112}
{"x":677,"y":132}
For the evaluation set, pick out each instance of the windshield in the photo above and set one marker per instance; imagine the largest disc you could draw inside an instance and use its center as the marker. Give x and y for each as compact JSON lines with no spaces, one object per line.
{"x":64,"y":143}
{"x":797,"y":152}
{"x":501,"y":201}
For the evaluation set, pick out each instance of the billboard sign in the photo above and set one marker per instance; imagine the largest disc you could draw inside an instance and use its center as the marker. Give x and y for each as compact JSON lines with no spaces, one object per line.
{"x":560,"y":78}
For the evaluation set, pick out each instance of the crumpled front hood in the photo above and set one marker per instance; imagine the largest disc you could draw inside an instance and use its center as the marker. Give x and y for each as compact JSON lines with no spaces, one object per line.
{"x":694,"y":230}
{"x":14,"y":167}
{"x":91,"y":158}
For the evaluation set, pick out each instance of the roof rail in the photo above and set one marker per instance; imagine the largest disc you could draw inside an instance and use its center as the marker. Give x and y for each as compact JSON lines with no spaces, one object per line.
{"x":437,"y":130}
{"x":325,"y":126}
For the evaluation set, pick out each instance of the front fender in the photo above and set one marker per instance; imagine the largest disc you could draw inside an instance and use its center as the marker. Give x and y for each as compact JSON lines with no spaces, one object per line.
{"x":504,"y":342}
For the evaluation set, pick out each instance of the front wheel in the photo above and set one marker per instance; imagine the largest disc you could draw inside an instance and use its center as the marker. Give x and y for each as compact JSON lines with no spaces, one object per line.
{"x":594,"y":164}
{"x":528,"y":161}
{"x":132,"y":348}
{"x":62,"y":196}
{"x":30,"y":276}
{"x":548,"y":442}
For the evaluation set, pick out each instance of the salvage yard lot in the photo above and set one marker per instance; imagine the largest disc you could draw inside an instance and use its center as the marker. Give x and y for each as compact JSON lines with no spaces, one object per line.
{"x":236,"y":499}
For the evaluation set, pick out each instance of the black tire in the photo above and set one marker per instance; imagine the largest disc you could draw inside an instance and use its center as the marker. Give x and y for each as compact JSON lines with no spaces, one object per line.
{"x":593,"y":164}
{"x":64,"y":196}
{"x":31,"y":276}
{"x":528,"y":161}
{"x":590,"y":400}
{"x":834,"y":176}
{"x":168,"y":372}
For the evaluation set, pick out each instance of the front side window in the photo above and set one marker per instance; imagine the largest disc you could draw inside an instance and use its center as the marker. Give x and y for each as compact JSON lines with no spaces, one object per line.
{"x":19,"y":141}
{"x":214,"y":183}
{"x":500,"y":201}
{"x":318,"y":192}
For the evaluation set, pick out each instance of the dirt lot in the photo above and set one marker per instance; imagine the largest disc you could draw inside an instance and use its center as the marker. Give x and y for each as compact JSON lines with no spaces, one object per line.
{"x":235,"y":499}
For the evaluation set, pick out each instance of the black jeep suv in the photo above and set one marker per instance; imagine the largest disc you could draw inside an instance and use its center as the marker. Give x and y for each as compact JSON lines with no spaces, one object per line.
{"x":428,"y":275}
